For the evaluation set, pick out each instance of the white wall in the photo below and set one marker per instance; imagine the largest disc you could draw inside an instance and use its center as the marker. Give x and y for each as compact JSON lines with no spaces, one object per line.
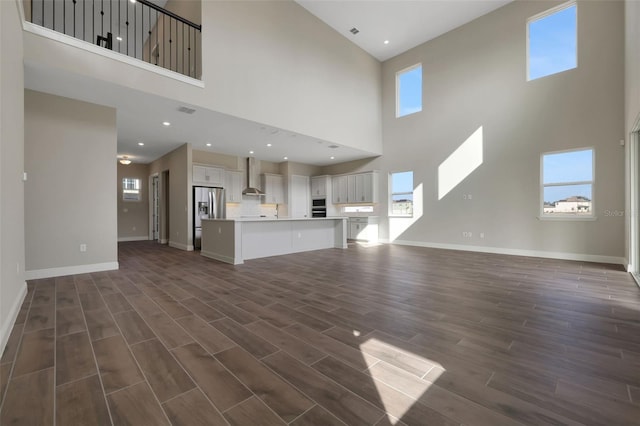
{"x":178,"y":164}
{"x":70,"y":198}
{"x":632,"y":62}
{"x":476,"y":76}
{"x":12,"y":260}
{"x":271,"y":62}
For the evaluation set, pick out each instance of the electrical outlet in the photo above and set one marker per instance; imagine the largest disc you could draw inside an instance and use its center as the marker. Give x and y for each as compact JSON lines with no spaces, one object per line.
{"x":83,"y":248}
{"x":467,"y":234}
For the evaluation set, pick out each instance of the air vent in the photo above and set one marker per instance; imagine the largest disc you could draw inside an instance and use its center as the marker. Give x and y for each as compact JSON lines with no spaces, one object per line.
{"x":354,"y":31}
{"x":334,"y":146}
{"x":186,"y":110}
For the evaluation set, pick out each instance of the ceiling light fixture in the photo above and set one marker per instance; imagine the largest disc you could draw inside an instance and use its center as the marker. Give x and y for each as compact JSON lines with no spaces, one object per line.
{"x":141,"y":143}
{"x":386,"y":42}
{"x":250,"y":152}
{"x":285,"y":158}
{"x":119,"y":38}
{"x":166,"y":123}
{"x":208,"y":144}
{"x":125,"y":160}
{"x":333,"y":158}
{"x":268,"y":144}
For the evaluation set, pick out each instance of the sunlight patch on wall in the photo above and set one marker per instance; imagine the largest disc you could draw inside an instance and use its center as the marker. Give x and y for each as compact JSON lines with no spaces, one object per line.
{"x":396,"y":407}
{"x":398,"y":225}
{"x":460,"y":164}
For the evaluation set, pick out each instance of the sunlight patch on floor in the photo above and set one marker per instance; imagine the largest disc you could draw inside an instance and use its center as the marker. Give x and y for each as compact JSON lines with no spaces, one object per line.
{"x":396,"y":407}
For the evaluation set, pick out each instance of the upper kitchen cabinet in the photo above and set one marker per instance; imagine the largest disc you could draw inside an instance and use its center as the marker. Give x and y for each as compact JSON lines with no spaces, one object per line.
{"x":339,"y":186}
{"x":355,"y":188}
{"x":233,"y":186}
{"x":363,"y":188}
{"x":208,"y":175}
{"x":273,"y":187}
{"x":320,"y":187}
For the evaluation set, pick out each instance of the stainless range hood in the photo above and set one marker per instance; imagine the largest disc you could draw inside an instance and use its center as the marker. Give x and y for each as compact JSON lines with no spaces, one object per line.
{"x":252,"y":187}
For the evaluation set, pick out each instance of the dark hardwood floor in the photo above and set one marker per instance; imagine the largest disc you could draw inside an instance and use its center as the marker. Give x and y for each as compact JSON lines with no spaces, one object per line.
{"x":383,"y":335}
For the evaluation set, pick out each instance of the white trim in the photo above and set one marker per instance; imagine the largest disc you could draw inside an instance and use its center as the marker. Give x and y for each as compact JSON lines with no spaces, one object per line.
{"x":71,"y":270}
{"x":180,"y":246}
{"x":519,"y":252}
{"x":398,"y":73}
{"x":6,"y":328}
{"x":542,"y":15}
{"x":163,"y":241}
{"x":89,"y":47}
{"x":216,"y":256}
{"x":140,"y":238}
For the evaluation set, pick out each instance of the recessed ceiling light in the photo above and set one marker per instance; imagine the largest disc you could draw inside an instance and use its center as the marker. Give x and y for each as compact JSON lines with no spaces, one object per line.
{"x":250,"y":152}
{"x":166,"y":123}
{"x":285,"y":158}
{"x":132,"y":1}
{"x":386,"y":42}
{"x":208,"y":144}
{"x":268,"y":144}
{"x":333,"y":158}
{"x":141,"y":143}
{"x":119,"y":38}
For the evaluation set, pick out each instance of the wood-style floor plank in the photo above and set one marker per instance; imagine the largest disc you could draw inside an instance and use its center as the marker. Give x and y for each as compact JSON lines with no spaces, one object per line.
{"x":74,"y":358}
{"x":136,"y":405}
{"x":81,"y":403}
{"x":192,"y":409}
{"x":220,"y":386}
{"x":253,"y":412}
{"x":29,"y":400}
{"x":36,"y":352}
{"x":117,"y":367}
{"x":282,"y":398}
{"x":166,"y":377}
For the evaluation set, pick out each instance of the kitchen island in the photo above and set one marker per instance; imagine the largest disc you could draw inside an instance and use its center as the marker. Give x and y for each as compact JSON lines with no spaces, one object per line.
{"x":236,"y":240}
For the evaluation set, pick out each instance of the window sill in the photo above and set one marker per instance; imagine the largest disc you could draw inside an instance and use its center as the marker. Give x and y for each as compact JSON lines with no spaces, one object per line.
{"x":399,"y":217}
{"x":568,"y":218}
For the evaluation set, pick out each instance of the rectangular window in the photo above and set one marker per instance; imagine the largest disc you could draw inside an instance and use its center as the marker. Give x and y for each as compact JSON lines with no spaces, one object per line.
{"x":567,"y":183}
{"x":552,"y":41}
{"x":409,"y":91}
{"x":130,"y":189}
{"x":401,"y":194}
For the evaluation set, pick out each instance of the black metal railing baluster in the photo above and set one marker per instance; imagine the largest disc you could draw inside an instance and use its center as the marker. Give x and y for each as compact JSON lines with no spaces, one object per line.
{"x":172,"y":32}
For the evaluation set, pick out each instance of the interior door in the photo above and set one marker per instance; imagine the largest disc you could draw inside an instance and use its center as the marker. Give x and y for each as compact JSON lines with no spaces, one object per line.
{"x":155,"y":204}
{"x":634,"y":204}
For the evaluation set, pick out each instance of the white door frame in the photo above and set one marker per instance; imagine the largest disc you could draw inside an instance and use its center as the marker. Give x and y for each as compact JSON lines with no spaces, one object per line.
{"x":633,"y":180}
{"x":154,"y":207}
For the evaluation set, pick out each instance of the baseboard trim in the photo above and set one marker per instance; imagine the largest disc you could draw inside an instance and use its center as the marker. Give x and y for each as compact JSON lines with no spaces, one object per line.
{"x":215,"y":256}
{"x":70,"y":270}
{"x":140,"y":238}
{"x":6,"y":328}
{"x":518,"y":252}
{"x":163,"y":241}
{"x":180,"y":246}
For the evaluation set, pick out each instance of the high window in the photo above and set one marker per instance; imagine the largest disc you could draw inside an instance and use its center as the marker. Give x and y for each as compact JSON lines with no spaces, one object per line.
{"x":409,"y":91}
{"x":130,"y":189}
{"x":552,"y":41}
{"x":401,"y":194}
{"x":567,"y":183}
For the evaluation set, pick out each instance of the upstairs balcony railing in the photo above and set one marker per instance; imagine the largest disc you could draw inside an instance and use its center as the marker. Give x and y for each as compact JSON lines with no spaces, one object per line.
{"x":141,"y":29}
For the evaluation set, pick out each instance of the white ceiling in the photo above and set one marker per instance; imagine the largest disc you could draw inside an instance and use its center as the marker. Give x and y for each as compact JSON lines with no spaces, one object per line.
{"x":405,"y":23}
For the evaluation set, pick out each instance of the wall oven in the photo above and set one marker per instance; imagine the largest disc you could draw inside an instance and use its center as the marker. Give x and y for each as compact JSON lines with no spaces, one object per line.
{"x":319,"y":207}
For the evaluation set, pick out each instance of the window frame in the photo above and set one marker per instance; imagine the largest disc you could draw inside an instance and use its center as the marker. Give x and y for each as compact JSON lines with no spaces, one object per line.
{"x":543,"y":15}
{"x":129,"y":194}
{"x":398,"y":74}
{"x":575,"y":217}
{"x":391,"y":194}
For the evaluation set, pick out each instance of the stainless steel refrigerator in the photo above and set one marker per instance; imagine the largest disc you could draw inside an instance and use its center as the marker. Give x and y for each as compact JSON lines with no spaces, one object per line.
{"x":207,"y":203}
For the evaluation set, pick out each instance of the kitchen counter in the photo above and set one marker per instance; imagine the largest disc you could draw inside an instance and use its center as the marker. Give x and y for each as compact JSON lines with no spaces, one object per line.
{"x":235,"y":240}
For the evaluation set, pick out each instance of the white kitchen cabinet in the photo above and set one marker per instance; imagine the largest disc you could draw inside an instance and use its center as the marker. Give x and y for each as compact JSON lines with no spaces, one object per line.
{"x":363,"y":228}
{"x":233,"y":186}
{"x":299,"y":196}
{"x":363,"y":188}
{"x":273,"y":187}
{"x":208,"y":175}
{"x":320,"y":187}
{"x":339,"y":187}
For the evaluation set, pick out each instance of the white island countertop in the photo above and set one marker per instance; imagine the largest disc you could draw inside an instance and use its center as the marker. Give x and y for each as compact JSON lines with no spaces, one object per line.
{"x":235,"y":240}
{"x":272,"y":219}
